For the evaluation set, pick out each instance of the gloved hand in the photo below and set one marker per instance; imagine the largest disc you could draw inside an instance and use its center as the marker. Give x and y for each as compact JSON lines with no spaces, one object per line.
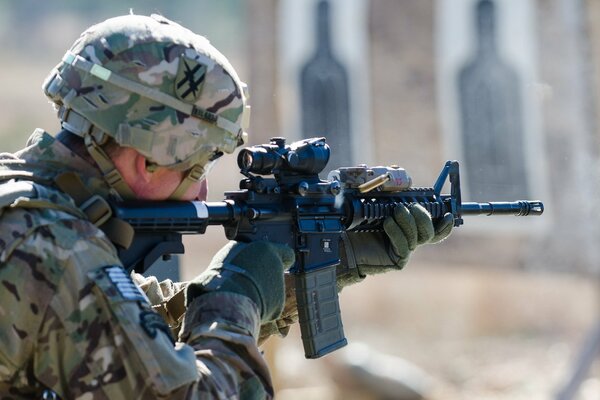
{"x":289,"y":316}
{"x":377,"y":252}
{"x":252,"y":269}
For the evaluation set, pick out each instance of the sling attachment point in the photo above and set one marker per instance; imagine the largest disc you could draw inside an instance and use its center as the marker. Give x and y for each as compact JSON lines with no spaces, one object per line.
{"x":96,"y":209}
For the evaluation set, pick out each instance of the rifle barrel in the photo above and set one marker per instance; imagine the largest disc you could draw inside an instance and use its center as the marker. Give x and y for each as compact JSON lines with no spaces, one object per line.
{"x":518,"y":208}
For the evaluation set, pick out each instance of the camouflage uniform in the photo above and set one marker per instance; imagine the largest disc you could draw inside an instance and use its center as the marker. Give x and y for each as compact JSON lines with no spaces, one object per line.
{"x":72,"y":321}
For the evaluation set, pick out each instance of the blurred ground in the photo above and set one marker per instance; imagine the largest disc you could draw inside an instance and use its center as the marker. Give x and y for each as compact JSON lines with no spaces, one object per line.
{"x":478,"y":334}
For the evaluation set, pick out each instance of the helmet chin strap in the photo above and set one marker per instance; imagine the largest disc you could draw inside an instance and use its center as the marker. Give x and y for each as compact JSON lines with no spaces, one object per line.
{"x":79,"y":125}
{"x":195,"y":174}
{"x":115,"y":179}
{"x":109,"y":170}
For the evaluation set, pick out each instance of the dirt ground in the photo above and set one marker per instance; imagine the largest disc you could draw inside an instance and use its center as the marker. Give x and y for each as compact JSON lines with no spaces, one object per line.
{"x":455,"y":333}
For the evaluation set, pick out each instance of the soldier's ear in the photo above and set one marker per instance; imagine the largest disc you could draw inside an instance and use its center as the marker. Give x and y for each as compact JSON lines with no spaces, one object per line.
{"x":143,"y":168}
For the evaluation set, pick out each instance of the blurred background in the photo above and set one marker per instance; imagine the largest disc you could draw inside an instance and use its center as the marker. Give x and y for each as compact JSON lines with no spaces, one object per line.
{"x":506,"y":308}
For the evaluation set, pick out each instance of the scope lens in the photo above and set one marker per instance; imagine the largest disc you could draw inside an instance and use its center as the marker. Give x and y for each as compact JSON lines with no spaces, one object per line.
{"x":246,"y":160}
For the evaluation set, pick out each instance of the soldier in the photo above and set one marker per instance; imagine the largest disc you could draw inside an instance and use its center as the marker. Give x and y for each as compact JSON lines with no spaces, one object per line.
{"x":146,"y":107}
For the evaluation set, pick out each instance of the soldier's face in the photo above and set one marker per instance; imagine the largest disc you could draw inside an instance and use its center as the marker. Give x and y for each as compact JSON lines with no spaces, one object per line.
{"x":197,"y":191}
{"x":156,"y":184}
{"x":165,"y":181}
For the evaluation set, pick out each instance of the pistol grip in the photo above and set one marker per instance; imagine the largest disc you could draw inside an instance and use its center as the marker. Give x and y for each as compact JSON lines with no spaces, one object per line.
{"x":319,"y":311}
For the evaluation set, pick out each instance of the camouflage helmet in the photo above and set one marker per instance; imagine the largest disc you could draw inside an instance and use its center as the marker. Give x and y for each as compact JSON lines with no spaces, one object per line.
{"x":152,"y":85}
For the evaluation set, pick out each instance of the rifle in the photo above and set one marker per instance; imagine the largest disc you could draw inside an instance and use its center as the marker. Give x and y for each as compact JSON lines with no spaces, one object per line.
{"x":297,"y":208}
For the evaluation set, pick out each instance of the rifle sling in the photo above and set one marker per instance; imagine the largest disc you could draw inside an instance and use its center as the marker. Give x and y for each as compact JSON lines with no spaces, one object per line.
{"x":96,"y":208}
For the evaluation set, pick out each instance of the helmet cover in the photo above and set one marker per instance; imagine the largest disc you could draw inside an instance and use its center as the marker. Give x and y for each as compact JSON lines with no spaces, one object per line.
{"x":155,"y":86}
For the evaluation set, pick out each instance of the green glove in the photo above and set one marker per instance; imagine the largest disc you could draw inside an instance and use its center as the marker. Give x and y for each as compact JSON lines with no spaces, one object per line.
{"x":377,"y":252}
{"x":254,"y":270}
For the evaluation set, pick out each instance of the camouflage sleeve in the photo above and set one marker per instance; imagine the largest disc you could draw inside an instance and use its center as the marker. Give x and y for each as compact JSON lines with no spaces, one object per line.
{"x":99,"y":338}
